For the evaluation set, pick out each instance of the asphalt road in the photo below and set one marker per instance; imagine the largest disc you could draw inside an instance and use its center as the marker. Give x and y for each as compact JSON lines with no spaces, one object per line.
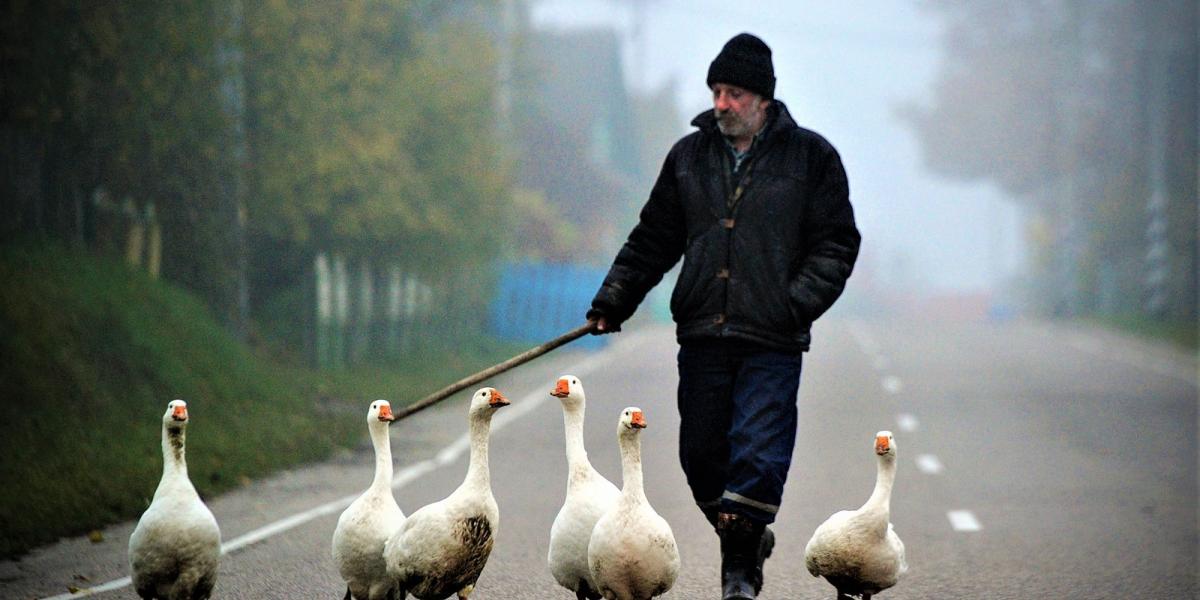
{"x":1035,"y":460}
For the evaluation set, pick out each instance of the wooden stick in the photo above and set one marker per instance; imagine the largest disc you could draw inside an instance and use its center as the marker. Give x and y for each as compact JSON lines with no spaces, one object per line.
{"x":493,"y":370}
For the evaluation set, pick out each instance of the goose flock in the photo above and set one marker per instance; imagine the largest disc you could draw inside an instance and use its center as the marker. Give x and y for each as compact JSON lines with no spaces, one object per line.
{"x":589,"y":496}
{"x":605,"y":542}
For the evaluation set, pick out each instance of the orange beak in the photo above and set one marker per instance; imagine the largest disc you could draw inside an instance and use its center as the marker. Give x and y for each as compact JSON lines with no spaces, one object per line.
{"x":498,"y":399}
{"x":561,"y":389}
{"x":639,"y":420}
{"x":385,"y":413}
{"x":180,"y":413}
{"x":882,"y":445}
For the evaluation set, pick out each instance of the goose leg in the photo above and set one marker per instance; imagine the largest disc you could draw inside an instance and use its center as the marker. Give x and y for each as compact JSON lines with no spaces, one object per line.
{"x":585,"y":592}
{"x":348,"y":596}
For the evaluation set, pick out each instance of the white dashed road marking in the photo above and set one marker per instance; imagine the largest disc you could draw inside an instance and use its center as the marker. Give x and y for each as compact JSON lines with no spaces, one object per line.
{"x":963,"y":520}
{"x":906,"y":422}
{"x":864,"y":339}
{"x":929,"y":464}
{"x":892,"y":384}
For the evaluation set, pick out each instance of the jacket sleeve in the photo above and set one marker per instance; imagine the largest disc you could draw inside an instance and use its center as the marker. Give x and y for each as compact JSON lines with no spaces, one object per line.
{"x":653,"y":247}
{"x":833,"y":240}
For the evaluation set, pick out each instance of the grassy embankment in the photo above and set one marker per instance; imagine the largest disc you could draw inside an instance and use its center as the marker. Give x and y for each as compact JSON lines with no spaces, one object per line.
{"x":92,"y":351}
{"x":1182,"y":334}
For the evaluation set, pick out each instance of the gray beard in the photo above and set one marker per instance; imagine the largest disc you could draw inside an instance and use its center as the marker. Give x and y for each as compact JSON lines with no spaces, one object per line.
{"x":732,"y":126}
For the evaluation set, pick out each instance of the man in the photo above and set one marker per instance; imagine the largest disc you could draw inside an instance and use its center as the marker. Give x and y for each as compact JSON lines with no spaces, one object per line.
{"x":759,"y":209}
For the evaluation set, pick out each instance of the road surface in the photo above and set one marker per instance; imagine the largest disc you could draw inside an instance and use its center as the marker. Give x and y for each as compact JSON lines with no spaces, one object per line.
{"x":1035,"y":460}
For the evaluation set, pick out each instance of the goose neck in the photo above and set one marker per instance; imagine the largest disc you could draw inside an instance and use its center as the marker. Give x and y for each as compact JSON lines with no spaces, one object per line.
{"x":478,"y":475}
{"x":573,"y":423}
{"x":885,"y":476}
{"x":173,"y":448}
{"x":383,"y":455}
{"x":631,"y":466}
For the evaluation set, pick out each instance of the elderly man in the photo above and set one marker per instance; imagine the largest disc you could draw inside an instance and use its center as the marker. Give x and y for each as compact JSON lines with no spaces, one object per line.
{"x":759,"y":209}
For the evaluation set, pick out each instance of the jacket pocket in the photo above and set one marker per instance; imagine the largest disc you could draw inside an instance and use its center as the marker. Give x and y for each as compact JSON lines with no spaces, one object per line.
{"x":693,"y":288}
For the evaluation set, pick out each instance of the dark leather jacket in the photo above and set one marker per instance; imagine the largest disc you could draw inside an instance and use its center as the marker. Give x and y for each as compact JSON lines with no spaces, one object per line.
{"x":759,"y":270}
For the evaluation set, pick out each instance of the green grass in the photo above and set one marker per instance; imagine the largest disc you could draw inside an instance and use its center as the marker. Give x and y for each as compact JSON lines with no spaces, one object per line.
{"x":1178,"y":332}
{"x":93,"y":351}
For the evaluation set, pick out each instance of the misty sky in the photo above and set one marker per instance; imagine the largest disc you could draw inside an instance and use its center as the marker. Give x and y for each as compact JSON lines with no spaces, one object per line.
{"x":842,"y":69}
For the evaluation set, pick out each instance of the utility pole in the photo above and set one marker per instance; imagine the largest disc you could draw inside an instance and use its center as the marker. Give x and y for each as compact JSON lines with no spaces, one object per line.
{"x":504,"y":68}
{"x":638,"y":32}
{"x":233,"y":91}
{"x":1067,"y":200}
{"x":1157,"y":257}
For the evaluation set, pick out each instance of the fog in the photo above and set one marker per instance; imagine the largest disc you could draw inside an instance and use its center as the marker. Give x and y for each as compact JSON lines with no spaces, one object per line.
{"x":843,"y":69}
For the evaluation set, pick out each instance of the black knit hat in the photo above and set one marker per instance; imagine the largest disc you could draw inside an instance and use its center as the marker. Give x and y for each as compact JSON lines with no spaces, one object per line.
{"x":745,"y":61}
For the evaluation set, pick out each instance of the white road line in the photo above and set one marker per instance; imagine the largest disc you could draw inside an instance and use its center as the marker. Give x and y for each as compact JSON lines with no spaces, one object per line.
{"x":1159,"y":366}
{"x":906,"y":422}
{"x":115,"y":584}
{"x":929,"y":464}
{"x":865,"y":342}
{"x":402,"y":478}
{"x":880,"y":362}
{"x":963,"y":520}
{"x":892,"y":384}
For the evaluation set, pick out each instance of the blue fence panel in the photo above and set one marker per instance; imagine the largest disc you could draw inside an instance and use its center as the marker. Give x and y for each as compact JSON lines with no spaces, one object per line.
{"x":536,"y":302}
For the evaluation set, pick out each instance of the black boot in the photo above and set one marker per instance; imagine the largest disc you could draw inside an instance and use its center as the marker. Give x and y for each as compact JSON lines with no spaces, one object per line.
{"x":745,"y":544}
{"x":765,"y":546}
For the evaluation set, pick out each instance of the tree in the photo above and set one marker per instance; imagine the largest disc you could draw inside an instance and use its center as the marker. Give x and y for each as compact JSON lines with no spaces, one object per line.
{"x":1084,"y":112}
{"x":121,"y":100}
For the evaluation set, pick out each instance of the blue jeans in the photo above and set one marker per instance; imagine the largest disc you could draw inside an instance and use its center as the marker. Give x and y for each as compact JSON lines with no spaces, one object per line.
{"x":737,"y":404}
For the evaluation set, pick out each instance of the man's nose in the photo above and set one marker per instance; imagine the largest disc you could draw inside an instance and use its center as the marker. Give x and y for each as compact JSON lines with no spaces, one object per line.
{"x":721,"y":101}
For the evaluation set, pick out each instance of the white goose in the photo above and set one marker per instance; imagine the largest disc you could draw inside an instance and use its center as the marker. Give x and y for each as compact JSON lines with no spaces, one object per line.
{"x":369,"y":521}
{"x":632,"y":554}
{"x":589,"y":495}
{"x":858,"y":551}
{"x":176,"y":546}
{"x":442,"y":547}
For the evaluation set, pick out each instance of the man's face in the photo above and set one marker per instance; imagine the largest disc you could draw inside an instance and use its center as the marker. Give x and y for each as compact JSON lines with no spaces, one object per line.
{"x":740,"y":112}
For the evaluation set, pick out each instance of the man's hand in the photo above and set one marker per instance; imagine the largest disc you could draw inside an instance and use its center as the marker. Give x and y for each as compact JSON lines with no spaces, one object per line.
{"x":599,"y":326}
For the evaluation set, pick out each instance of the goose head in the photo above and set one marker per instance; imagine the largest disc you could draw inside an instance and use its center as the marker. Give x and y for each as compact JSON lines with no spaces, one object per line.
{"x":569,"y":390}
{"x":885,"y":445}
{"x":486,"y":401}
{"x":176,"y":416}
{"x":380,"y":411}
{"x":632,"y":421}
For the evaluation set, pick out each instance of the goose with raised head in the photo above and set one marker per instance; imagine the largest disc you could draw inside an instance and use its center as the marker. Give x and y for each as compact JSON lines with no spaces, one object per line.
{"x":441,"y":548}
{"x":589,"y":495}
{"x":176,"y":547}
{"x":858,"y":551}
{"x":632,"y":553}
{"x":369,"y":521}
